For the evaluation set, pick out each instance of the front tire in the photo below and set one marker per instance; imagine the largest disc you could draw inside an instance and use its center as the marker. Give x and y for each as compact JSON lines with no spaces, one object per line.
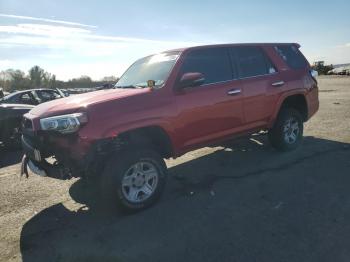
{"x":287,"y":132}
{"x":134,"y":179}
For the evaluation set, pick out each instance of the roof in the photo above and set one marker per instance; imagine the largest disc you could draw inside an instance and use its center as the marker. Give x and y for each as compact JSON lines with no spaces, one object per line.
{"x":230,"y":44}
{"x":34,"y":89}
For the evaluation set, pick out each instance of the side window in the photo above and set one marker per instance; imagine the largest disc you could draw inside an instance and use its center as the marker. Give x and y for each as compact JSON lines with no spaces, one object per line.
{"x":47,"y":95}
{"x":213,"y":63}
{"x":292,"y":56}
{"x":26,"y":99}
{"x":252,"y":61}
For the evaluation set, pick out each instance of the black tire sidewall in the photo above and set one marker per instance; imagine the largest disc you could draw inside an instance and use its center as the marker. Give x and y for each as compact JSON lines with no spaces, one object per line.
{"x":118,"y":164}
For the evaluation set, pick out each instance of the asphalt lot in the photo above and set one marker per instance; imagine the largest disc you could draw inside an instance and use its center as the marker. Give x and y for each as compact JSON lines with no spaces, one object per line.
{"x":243,"y":202}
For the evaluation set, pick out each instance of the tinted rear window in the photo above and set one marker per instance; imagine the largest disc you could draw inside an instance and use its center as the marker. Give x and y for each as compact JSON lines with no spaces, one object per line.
{"x":213,"y":63}
{"x":292,"y":56}
{"x":252,"y":61}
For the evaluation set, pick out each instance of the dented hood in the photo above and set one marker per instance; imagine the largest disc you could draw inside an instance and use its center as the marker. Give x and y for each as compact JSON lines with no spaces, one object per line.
{"x":80,"y":102}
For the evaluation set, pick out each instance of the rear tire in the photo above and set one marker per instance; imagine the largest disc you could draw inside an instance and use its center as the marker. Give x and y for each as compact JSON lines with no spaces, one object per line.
{"x":287,"y":132}
{"x":134,"y":179}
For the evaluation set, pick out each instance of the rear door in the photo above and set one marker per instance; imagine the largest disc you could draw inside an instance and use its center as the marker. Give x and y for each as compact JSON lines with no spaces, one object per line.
{"x":260,"y":82}
{"x":208,"y":112}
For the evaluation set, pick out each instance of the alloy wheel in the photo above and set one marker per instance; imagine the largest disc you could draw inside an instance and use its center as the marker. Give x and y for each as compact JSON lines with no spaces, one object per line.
{"x":140,"y":181}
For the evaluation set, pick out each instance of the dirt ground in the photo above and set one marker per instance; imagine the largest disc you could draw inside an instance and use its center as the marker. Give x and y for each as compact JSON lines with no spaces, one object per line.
{"x":245,"y":202}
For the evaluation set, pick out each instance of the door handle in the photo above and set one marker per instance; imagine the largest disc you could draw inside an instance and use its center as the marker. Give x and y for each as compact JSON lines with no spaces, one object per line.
{"x":279,"y":83}
{"x":234,"y":92}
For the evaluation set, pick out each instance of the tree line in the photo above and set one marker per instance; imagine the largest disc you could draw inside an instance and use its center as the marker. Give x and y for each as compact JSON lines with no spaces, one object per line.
{"x":37,"y":77}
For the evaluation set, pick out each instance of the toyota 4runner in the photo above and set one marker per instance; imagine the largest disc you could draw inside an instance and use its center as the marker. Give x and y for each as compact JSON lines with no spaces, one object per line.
{"x":165,"y":105}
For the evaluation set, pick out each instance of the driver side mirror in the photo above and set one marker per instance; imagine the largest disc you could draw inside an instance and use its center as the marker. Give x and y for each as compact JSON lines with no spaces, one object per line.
{"x":191,"y":80}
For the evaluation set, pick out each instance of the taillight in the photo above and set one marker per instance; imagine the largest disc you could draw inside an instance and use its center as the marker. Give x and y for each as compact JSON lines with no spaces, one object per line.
{"x":313,"y":74}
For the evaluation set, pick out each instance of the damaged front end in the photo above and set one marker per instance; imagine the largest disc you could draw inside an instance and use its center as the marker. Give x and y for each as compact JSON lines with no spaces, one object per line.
{"x":53,"y":147}
{"x":35,"y":162}
{"x":44,"y":169}
{"x":50,"y":150}
{"x":63,"y":157}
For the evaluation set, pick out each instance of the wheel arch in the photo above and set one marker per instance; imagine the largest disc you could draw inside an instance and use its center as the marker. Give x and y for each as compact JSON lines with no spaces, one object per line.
{"x":296,"y":100}
{"x":153,"y":135}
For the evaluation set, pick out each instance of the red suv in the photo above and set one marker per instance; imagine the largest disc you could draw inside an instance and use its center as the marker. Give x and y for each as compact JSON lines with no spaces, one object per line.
{"x":165,"y":105}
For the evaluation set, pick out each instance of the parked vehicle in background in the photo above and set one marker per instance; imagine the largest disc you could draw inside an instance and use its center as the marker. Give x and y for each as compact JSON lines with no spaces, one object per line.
{"x":12,"y":108}
{"x":105,"y":86}
{"x":165,"y":105}
{"x":343,"y":69}
{"x":65,"y":92}
{"x":10,"y":123}
{"x":32,"y":96}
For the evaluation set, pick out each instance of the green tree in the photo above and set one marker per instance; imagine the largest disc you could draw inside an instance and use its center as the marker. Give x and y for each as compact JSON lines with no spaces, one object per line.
{"x":36,"y":76}
{"x":49,"y":80}
{"x":81,"y":82}
{"x":15,"y":79}
{"x":110,"y":79}
{"x":5,"y":80}
{"x":40,"y":78}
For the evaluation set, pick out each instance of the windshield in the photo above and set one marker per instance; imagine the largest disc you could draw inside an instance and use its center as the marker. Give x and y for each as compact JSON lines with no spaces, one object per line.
{"x":155,"y":67}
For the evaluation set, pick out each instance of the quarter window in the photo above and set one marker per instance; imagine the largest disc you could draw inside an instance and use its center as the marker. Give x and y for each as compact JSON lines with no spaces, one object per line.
{"x":292,"y":56}
{"x":213,"y":63}
{"x":252,"y":61}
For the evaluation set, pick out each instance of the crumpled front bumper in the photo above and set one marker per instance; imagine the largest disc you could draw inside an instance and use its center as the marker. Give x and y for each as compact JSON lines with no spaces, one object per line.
{"x":34,"y":162}
{"x":29,"y":164}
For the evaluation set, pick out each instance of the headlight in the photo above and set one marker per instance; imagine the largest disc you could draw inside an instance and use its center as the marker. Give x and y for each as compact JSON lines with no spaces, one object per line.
{"x":64,"y":124}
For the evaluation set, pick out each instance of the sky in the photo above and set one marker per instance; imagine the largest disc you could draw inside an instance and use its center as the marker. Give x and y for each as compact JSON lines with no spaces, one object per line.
{"x":102,"y":38}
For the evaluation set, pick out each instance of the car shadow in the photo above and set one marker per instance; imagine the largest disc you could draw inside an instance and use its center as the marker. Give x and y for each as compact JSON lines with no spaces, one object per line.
{"x":199,"y":214}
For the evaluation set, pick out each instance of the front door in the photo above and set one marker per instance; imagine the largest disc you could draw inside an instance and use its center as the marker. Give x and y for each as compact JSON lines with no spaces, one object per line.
{"x":214,"y":109}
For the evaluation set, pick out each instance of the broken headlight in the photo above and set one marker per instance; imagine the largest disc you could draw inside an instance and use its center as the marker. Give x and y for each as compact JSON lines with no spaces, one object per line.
{"x":64,"y":124}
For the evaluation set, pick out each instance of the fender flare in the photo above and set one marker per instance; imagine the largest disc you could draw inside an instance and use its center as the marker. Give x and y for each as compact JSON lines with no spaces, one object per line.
{"x":280,"y":101}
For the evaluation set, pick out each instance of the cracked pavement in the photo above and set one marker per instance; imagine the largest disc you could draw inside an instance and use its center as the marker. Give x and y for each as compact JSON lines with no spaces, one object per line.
{"x":242,"y":201}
